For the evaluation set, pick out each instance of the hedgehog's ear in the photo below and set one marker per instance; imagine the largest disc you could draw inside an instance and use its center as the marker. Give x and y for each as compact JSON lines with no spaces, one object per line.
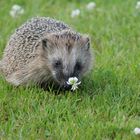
{"x":48,"y":40}
{"x":86,"y":42}
{"x":44,"y":42}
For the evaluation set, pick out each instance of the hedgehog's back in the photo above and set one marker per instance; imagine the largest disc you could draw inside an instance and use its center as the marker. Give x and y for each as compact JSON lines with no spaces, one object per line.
{"x":39,"y":25}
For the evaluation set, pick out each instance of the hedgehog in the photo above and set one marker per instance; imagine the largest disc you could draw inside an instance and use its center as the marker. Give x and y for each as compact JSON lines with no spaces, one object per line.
{"x":45,"y":50}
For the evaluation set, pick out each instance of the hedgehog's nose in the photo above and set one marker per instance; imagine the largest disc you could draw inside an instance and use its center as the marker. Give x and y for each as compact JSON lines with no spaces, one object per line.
{"x":67,"y":87}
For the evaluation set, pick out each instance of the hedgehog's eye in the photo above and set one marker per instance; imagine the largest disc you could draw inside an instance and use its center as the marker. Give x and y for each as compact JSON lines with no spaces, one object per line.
{"x":57,"y":64}
{"x":78,"y":66}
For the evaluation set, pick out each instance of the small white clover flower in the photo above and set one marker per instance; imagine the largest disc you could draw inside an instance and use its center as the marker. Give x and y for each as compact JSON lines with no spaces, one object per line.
{"x":74,"y":82}
{"x":137,"y":131}
{"x":75,"y":13}
{"x":91,"y":6}
{"x":16,"y":10}
{"x":138,"y":5}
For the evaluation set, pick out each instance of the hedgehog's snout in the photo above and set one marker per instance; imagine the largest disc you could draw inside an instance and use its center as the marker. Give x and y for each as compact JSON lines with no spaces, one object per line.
{"x":61,"y":80}
{"x":66,"y":86}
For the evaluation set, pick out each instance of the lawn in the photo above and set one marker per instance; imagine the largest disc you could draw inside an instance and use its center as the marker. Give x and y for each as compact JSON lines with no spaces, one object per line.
{"x":107,"y":104}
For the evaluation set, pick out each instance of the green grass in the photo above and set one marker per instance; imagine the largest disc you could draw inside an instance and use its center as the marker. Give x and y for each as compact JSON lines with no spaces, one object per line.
{"x":107,"y":105}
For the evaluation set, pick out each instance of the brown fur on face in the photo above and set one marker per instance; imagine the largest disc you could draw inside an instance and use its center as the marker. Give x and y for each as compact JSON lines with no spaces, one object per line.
{"x":70,"y":50}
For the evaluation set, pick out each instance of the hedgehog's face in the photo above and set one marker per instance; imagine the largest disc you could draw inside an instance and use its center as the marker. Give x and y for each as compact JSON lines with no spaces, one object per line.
{"x":67,"y":56}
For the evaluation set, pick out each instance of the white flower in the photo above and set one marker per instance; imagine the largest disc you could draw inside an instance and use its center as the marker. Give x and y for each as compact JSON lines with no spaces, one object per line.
{"x":73,"y":81}
{"x":91,"y":5}
{"x":16,"y":10}
{"x":75,"y":13}
{"x":137,"y":131}
{"x":138,"y":5}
